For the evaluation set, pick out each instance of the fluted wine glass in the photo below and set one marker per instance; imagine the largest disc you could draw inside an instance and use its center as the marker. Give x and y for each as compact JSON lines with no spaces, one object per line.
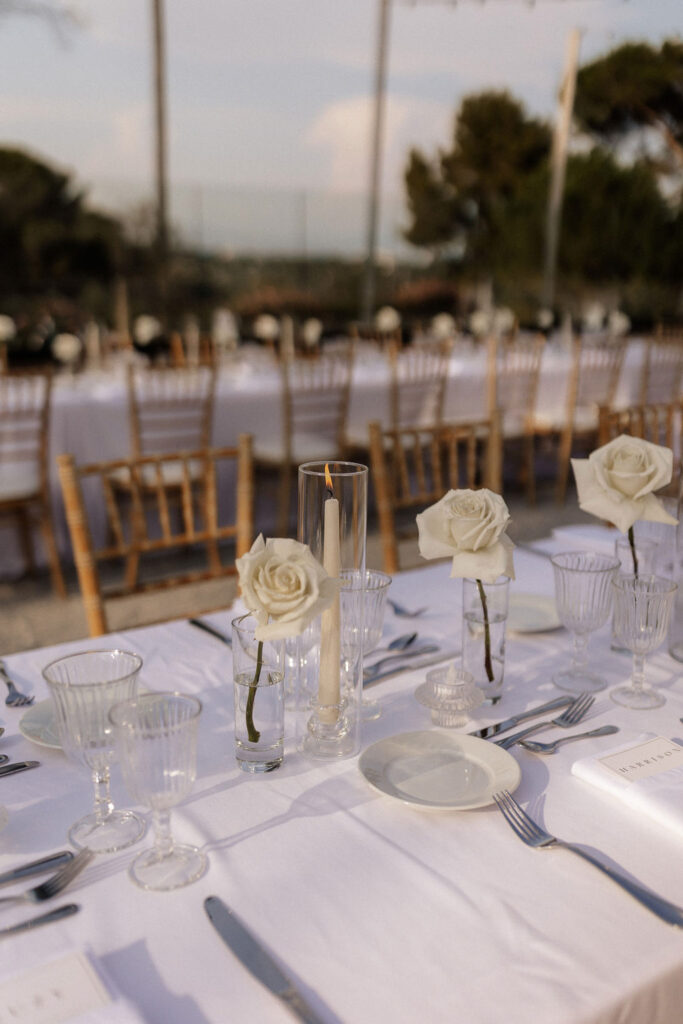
{"x":83,"y":687}
{"x":363,"y":604}
{"x":583,"y":595}
{"x":157,"y":734}
{"x":642,"y":609}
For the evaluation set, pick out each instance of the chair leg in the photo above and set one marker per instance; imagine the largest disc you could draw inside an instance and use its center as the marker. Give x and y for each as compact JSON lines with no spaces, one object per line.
{"x":563,"y":464}
{"x":283,"y":500}
{"x":52,"y":554}
{"x":26,"y":539}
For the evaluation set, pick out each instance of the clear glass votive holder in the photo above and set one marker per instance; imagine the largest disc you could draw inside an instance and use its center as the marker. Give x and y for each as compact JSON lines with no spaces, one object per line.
{"x":333,"y":522}
{"x":646,"y":558}
{"x":258,"y":674}
{"x":451,"y":694}
{"x":484,"y":622}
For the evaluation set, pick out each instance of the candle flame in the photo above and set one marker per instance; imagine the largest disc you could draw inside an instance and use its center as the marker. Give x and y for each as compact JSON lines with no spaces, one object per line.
{"x":328,"y":479}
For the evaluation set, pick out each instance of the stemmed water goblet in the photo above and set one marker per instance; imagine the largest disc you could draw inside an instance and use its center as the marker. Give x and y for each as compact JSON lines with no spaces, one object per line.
{"x":642,"y":609}
{"x":363,"y":603}
{"x":83,"y":687}
{"x":157,"y":735}
{"x":583,"y":596}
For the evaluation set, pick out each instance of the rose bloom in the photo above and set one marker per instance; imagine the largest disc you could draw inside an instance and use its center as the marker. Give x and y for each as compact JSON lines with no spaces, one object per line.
{"x":280,"y":580}
{"x":616,"y":481}
{"x":469,"y":526}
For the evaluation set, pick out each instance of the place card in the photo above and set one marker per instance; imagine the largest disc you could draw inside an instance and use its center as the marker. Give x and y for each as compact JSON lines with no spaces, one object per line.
{"x":645,"y":774}
{"x":645,"y":759}
{"x":53,"y":992}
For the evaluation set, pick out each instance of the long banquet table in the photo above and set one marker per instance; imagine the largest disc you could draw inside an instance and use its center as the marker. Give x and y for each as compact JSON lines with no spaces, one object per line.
{"x":90,"y":411}
{"x":380,"y":910}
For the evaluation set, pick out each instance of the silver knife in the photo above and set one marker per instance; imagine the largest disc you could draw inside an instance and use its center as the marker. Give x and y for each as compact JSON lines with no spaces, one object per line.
{"x":424,"y":661}
{"x":370,"y":671}
{"x":212,"y":630}
{"x":36,"y":867}
{"x":17,"y":766}
{"x":509,"y":723}
{"x":256,"y":959}
{"x":35,"y":922}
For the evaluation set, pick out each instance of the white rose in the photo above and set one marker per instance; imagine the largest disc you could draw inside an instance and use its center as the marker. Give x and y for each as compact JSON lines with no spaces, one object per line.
{"x":282,"y":581}
{"x":616,"y":481}
{"x":66,"y":347}
{"x":311,"y":332}
{"x":480,"y":322}
{"x":146,"y":328}
{"x":443,"y":326}
{"x":266,"y":327}
{"x":469,"y":526}
{"x":7,"y":328}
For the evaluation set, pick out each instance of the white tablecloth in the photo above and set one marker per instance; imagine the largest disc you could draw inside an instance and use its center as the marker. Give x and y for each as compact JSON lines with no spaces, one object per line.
{"x":381,"y":911}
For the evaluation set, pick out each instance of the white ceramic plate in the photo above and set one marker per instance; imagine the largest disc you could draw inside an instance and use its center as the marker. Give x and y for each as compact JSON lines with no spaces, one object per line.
{"x":532,"y":613}
{"x":38,"y":725}
{"x":439,"y":771}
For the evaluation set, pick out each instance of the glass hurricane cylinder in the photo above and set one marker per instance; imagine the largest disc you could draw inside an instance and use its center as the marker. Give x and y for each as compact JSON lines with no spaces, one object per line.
{"x":84,"y":686}
{"x":258,"y":673}
{"x":333,"y":522}
{"x":484,"y":621}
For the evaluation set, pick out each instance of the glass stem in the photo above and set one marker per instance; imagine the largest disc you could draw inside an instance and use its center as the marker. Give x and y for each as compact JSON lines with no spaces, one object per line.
{"x":163,"y":840}
{"x":252,"y":732}
{"x":103,"y":802}
{"x":638,"y":680}
{"x":580,"y":655}
{"x":487,"y":633}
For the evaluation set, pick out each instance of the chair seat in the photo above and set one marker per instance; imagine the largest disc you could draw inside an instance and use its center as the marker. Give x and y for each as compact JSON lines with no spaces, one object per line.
{"x":19,"y":482}
{"x":305,"y":448}
{"x":171,"y":472}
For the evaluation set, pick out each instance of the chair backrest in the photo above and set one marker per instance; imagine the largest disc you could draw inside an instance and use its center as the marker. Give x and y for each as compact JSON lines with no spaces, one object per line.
{"x":316,"y":399}
{"x":595,"y":375}
{"x":413,"y":468}
{"x":418,"y":380}
{"x":660,"y":422}
{"x":145,"y":526}
{"x":517,"y":368}
{"x":24,"y":424}
{"x":662,"y":370}
{"x":170,"y":409}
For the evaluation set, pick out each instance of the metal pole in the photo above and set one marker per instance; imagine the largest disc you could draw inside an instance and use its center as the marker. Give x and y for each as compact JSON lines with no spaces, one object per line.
{"x":160,"y":139}
{"x":368,"y":293}
{"x":558,"y":168}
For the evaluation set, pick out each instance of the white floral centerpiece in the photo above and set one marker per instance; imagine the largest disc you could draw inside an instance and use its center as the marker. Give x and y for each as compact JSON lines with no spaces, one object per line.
{"x":284,"y":587}
{"x":616,"y":483}
{"x":470,"y":526}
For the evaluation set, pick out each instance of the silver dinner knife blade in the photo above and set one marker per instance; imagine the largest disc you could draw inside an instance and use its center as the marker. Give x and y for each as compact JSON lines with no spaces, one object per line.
{"x":35,"y":922}
{"x":424,"y":661}
{"x":212,"y":630}
{"x":17,"y":766}
{"x":509,"y":723}
{"x":36,"y":867}
{"x":256,"y":959}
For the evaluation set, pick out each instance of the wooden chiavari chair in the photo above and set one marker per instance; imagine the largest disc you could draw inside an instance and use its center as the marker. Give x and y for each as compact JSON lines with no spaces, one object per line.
{"x":315,"y":400}
{"x":413,"y":468}
{"x":151,"y":530}
{"x":593,"y":382}
{"x":660,"y":422}
{"x":517,"y":367}
{"x":662,"y":379}
{"x":24,"y":483}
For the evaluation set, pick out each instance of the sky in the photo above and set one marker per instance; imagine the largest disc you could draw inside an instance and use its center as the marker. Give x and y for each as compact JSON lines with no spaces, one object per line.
{"x":273,"y":98}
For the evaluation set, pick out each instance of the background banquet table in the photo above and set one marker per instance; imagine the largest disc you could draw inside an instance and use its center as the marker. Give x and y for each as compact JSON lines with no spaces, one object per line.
{"x":381,"y":911}
{"x":90,"y":412}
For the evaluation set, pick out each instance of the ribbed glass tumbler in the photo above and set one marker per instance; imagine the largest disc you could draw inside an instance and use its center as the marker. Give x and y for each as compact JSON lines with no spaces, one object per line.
{"x":583,"y":594}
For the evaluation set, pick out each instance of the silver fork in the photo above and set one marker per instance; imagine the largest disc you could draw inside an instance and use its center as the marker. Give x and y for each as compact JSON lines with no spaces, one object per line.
{"x":56,"y":883}
{"x":533,"y":835}
{"x":570,"y":716}
{"x":14,"y":698}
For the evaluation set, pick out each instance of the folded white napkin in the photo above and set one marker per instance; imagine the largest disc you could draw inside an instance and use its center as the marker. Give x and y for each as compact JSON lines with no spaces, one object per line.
{"x":44,"y":982}
{"x":645,"y":773}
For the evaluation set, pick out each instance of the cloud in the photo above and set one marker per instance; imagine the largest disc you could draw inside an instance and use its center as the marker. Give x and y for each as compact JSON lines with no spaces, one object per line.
{"x":343,"y":131}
